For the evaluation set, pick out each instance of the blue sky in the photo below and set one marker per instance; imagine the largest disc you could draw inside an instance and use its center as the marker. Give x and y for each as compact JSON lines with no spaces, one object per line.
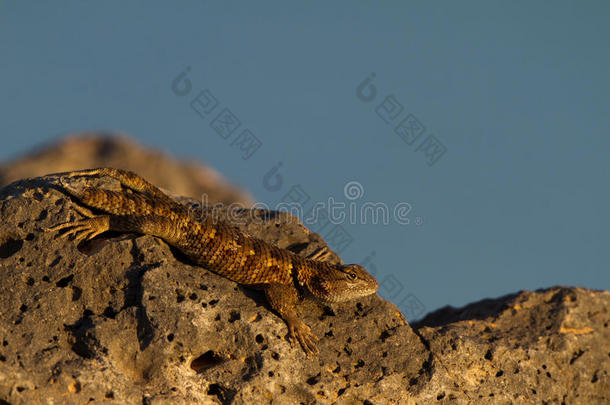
{"x":517,"y":95}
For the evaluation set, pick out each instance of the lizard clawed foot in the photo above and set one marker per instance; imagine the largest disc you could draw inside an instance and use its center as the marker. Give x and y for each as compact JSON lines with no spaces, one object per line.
{"x":301,"y":332}
{"x":322,"y":254}
{"x":85,"y":229}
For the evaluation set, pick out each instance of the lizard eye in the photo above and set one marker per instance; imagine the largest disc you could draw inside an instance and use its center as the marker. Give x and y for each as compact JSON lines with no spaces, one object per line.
{"x":351,"y":275}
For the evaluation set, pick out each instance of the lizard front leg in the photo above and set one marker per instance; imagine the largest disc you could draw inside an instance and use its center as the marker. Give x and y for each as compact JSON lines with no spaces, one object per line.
{"x":283,"y":299}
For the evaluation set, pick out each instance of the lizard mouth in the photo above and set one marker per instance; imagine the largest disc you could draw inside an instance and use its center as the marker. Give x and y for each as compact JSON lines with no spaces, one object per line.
{"x":350,"y":294}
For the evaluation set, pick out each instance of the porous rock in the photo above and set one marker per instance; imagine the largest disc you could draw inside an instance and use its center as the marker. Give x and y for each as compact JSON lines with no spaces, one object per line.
{"x":550,"y":346}
{"x":126,"y":318}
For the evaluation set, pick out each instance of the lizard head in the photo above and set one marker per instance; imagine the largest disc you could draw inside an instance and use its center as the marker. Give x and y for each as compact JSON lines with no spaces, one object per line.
{"x":342,"y":282}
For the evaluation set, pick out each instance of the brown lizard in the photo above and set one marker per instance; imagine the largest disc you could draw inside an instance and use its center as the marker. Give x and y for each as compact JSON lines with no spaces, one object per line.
{"x":216,"y":245}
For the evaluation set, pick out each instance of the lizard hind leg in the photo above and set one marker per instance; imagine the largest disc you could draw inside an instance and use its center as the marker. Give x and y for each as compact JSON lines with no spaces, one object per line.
{"x":84,"y":229}
{"x":112,"y":202}
{"x":127,"y":178}
{"x":102,"y":199}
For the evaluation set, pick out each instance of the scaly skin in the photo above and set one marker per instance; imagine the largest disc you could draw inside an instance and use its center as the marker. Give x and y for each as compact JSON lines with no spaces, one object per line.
{"x":217,"y":246}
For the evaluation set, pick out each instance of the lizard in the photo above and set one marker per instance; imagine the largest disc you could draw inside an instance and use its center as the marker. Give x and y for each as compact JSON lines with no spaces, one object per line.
{"x":215,"y":245}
